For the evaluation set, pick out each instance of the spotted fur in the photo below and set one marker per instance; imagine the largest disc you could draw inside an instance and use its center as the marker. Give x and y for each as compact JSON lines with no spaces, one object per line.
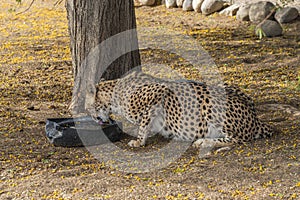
{"x":192,"y":111}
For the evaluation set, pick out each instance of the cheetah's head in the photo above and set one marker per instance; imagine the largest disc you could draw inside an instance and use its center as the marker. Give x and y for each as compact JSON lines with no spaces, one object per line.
{"x":104,"y":92}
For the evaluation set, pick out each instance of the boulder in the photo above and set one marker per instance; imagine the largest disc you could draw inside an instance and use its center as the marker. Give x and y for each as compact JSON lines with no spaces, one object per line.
{"x":260,"y":10}
{"x":243,"y":12}
{"x":210,"y":6}
{"x":179,"y":3}
{"x":187,"y":5}
{"x":147,"y":2}
{"x":231,"y":10}
{"x":270,"y":28}
{"x":286,"y":15}
{"x":197,"y":5}
{"x":171,"y":3}
{"x":297,"y":7}
{"x":160,"y":2}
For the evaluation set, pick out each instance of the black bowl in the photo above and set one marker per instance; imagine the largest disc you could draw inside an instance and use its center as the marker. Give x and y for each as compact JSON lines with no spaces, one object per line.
{"x":82,"y":131}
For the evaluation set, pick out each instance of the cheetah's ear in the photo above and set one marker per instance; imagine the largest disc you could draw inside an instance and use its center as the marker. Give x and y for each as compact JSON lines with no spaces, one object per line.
{"x":102,"y":79}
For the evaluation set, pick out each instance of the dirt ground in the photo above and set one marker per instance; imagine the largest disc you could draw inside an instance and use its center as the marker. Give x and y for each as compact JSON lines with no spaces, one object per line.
{"x":36,"y":84}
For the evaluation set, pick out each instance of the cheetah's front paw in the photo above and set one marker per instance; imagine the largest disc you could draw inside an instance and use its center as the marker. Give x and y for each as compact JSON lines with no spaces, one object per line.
{"x":134,"y":143}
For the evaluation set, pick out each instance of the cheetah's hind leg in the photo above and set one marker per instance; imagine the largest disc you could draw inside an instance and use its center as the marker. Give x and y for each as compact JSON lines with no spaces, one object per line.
{"x":207,"y":145}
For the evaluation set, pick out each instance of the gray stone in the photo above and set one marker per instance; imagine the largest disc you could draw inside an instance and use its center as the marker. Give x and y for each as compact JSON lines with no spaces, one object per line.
{"x":260,"y":10}
{"x":270,"y":28}
{"x":210,"y":6}
{"x":179,"y":3}
{"x":197,"y":5}
{"x":297,"y":7}
{"x":231,"y":10}
{"x":187,"y":5}
{"x":243,"y":12}
{"x":160,"y":2}
{"x":147,"y":2}
{"x":286,"y":15}
{"x":171,"y":3}
{"x":230,"y":2}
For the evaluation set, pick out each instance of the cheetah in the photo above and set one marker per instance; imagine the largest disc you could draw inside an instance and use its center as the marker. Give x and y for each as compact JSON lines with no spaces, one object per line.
{"x":208,"y":116}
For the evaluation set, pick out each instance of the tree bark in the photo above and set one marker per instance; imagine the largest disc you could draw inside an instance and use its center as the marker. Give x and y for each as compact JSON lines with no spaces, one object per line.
{"x":103,"y":44}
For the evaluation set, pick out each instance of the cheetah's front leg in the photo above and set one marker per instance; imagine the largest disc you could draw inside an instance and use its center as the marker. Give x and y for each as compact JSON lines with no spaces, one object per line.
{"x":144,"y":131}
{"x":142,"y":137}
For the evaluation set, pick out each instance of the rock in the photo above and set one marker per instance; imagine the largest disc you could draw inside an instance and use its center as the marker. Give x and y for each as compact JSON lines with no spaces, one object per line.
{"x":210,"y":6}
{"x":243,"y":12}
{"x":179,"y":3}
{"x":171,"y":3}
{"x":187,"y":5}
{"x":231,"y":10}
{"x":197,"y":5}
{"x":297,"y":7}
{"x":260,"y":10}
{"x":160,"y":2}
{"x":270,"y":28}
{"x":33,"y":108}
{"x":286,"y":15}
{"x":230,"y":2}
{"x":147,"y":2}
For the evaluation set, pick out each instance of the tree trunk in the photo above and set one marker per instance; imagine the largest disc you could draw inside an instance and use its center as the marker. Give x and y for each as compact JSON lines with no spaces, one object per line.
{"x":97,"y":52}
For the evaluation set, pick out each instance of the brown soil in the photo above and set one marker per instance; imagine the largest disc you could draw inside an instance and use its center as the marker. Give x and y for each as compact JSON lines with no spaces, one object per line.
{"x":36,"y":84}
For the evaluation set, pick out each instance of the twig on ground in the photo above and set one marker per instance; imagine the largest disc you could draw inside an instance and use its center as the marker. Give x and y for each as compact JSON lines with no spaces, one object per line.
{"x":27,"y":8}
{"x":57,"y":2}
{"x":268,"y":16}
